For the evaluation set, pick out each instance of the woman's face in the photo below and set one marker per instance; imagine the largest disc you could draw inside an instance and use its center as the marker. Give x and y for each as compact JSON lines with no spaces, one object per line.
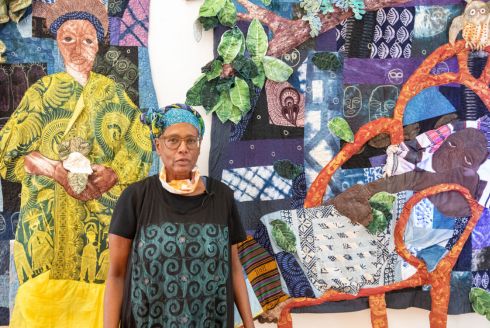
{"x":466,"y":148}
{"x":178,"y":162}
{"x":78,"y":44}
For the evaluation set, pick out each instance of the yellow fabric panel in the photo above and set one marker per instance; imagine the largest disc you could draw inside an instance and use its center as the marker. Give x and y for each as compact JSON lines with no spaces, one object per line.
{"x":44,"y":303}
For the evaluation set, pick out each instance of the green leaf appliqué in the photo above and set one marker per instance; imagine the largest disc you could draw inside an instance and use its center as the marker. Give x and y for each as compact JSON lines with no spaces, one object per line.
{"x":339,"y":127}
{"x":283,"y":236}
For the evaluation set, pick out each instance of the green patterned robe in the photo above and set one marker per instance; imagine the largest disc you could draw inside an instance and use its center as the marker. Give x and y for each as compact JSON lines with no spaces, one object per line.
{"x":57,"y":232}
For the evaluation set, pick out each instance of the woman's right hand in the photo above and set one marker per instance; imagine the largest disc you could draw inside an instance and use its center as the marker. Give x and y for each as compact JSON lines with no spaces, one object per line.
{"x":354,"y":204}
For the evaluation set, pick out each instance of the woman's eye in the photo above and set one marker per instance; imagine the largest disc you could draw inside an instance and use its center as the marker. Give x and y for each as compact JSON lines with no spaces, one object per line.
{"x":89,"y":41}
{"x":467,"y":160}
{"x":68,"y":39}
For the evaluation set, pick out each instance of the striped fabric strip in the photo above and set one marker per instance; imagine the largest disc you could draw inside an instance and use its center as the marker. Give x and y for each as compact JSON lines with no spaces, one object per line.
{"x":262,"y":273}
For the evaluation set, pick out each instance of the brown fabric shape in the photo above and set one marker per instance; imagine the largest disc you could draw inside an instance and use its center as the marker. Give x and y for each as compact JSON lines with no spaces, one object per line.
{"x":456,"y":161}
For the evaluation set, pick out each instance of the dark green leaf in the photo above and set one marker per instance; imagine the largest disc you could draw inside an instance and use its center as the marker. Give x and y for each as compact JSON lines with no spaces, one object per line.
{"x":283,"y":236}
{"x":339,"y":127}
{"x":245,"y":67}
{"x":209,"y":22}
{"x":287,"y":169}
{"x":379,"y":222}
{"x":327,"y":61}
{"x":209,"y":95}
{"x":224,"y":85}
{"x":215,"y":71}
{"x":193,"y":96}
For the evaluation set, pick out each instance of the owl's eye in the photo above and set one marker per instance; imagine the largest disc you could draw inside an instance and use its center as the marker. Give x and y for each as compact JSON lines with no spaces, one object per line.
{"x":483,"y":11}
{"x":472,"y":12}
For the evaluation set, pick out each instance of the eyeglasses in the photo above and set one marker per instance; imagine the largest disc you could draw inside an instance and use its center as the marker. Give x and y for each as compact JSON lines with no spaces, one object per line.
{"x":173,"y":142}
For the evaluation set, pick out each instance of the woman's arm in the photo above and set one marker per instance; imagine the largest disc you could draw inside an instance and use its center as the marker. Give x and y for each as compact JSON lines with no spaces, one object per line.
{"x":240,"y":289}
{"x":119,"y":248}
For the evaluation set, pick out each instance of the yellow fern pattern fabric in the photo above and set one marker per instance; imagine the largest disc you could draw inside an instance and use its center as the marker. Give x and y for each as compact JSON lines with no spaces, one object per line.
{"x":58,"y":233}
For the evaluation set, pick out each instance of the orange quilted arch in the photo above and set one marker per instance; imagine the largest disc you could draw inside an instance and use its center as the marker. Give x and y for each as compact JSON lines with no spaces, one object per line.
{"x":420,"y":80}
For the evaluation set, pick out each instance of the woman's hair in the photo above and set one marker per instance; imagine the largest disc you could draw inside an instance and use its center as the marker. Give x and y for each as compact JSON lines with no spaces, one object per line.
{"x":93,"y":11}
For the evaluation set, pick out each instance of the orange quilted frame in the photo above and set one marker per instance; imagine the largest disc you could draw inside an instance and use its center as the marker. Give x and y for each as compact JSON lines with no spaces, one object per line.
{"x":439,"y":278}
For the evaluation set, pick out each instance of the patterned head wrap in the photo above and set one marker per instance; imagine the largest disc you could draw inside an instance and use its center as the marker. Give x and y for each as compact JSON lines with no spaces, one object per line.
{"x":93,"y":11}
{"x":160,"y":119}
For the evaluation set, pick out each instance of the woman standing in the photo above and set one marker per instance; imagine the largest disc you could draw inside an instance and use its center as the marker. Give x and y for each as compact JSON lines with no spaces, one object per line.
{"x":173,"y":254}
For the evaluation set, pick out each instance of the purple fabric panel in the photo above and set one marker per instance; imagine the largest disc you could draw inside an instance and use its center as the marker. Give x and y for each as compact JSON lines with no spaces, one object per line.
{"x":388,"y":71}
{"x":326,"y":41}
{"x":114,"y":26}
{"x":379,"y":71}
{"x":480,"y":236}
{"x":377,"y":160}
{"x":263,"y":152}
{"x":430,"y":3}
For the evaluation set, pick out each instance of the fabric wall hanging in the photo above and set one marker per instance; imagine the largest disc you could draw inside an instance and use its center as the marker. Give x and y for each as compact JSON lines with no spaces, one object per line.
{"x":46,"y":106}
{"x":356,"y":69}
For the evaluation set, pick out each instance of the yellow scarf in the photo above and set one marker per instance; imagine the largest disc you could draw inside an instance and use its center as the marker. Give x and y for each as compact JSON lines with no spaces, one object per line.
{"x":181,"y":187}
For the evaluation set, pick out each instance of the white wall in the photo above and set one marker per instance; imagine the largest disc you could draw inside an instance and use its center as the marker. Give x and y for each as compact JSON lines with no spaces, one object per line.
{"x":176,"y":59}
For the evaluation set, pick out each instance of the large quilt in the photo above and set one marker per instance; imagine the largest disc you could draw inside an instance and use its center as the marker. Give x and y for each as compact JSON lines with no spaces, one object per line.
{"x":353,"y":69}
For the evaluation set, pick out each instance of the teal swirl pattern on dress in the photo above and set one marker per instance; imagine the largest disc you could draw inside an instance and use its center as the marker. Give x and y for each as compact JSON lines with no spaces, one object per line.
{"x":179,"y":275}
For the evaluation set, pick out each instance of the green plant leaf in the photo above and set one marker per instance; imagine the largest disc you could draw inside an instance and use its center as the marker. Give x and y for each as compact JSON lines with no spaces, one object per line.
{"x":227,"y":15}
{"x":209,"y":95}
{"x":379,"y":222}
{"x":259,"y":80}
{"x":193,"y":96}
{"x":224,"y":85}
{"x":267,"y":2}
{"x":211,"y":8}
{"x":276,"y":70}
{"x":215,"y":71}
{"x":224,"y":107}
{"x":287,"y":169}
{"x":209,"y":22}
{"x":245,"y":67}
{"x":230,"y":44}
{"x":480,"y":301}
{"x":240,"y":95}
{"x":236,"y":115}
{"x":257,"y":41}
{"x":283,"y":236}
{"x":340,"y":128}
{"x":383,"y":202}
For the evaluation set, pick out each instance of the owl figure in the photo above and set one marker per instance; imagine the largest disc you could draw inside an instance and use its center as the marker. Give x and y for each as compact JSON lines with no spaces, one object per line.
{"x":474,"y":24}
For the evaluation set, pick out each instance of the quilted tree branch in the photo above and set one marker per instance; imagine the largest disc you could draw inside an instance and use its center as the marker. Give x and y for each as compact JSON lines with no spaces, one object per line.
{"x":288,"y":34}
